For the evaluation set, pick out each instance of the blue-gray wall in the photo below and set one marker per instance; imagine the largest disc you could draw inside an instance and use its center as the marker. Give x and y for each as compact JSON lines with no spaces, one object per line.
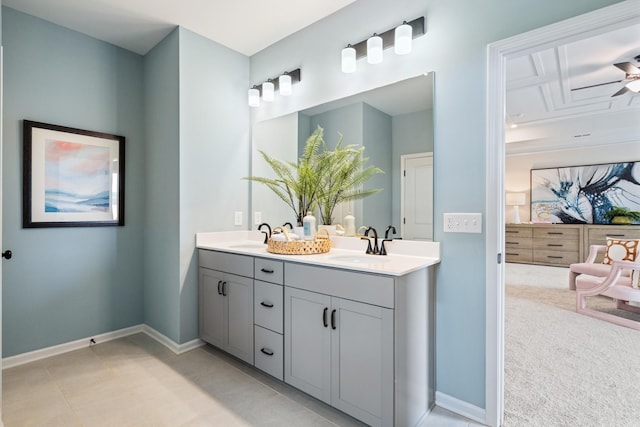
{"x":455,"y":47}
{"x":68,"y":283}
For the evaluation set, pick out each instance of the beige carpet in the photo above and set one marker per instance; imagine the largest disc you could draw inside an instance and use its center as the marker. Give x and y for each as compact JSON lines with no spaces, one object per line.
{"x":563,"y":368}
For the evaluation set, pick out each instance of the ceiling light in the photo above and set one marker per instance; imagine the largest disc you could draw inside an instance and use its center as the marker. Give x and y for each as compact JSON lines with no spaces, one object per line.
{"x":268,"y":91}
{"x":254,"y":97}
{"x":348,"y":59}
{"x":403,"y":39}
{"x":374,"y":49}
{"x":284,"y":83}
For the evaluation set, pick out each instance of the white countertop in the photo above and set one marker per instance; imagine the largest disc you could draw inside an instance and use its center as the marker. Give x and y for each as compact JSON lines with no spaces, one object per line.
{"x":403,"y":257}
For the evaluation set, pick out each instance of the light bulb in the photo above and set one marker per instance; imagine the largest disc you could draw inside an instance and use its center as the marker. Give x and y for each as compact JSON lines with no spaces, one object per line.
{"x":254,"y":97}
{"x":284,"y":84}
{"x":403,"y":39}
{"x":268,"y":90}
{"x":348,"y":59}
{"x":374,"y":49}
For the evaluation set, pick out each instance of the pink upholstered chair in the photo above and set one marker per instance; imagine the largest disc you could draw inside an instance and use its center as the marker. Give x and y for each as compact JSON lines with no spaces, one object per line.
{"x":590,"y":266}
{"x":615,"y":286}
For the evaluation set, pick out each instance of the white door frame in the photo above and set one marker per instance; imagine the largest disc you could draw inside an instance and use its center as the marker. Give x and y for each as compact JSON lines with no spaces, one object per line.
{"x":590,"y":24}
{"x":403,"y":167}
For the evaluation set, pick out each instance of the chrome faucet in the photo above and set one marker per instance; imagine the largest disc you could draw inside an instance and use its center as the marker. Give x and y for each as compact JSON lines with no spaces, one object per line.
{"x":267,"y":234}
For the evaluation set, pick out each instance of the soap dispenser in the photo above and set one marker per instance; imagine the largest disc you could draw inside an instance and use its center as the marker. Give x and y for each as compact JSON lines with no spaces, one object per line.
{"x":349,"y":225}
{"x":309,"y":226}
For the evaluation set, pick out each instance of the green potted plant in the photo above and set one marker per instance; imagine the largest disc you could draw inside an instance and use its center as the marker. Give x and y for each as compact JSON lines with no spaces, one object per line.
{"x":621,"y":215}
{"x":343,"y":178}
{"x":298,"y":184}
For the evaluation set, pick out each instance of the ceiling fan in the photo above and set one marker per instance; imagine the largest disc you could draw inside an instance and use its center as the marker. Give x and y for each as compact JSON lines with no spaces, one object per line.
{"x":632,"y":78}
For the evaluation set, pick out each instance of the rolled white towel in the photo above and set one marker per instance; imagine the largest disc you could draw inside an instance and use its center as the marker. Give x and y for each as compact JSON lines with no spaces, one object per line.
{"x":278,"y":237}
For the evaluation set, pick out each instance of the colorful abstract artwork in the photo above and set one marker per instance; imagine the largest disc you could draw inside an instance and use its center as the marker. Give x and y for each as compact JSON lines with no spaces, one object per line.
{"x":583,"y":194}
{"x":71,"y":177}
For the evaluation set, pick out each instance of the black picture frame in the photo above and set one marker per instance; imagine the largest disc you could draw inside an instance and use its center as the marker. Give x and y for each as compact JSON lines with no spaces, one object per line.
{"x":71,"y":177}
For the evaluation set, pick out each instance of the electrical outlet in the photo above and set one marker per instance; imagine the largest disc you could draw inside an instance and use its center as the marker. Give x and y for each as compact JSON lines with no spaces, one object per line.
{"x":257,"y":218}
{"x":237,"y":218}
{"x":463,"y":223}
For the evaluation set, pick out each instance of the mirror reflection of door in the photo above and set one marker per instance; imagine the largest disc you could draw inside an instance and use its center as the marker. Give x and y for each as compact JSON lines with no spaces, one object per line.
{"x":417,"y":196}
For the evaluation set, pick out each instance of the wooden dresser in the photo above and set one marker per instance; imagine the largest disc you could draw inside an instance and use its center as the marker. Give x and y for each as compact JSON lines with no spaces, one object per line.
{"x":559,"y":244}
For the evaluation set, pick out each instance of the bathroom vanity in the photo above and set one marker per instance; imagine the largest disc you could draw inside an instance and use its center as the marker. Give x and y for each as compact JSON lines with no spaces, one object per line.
{"x":353,"y":330}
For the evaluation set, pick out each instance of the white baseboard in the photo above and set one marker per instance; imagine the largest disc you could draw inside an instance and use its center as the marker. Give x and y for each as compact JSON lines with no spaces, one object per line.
{"x":32,"y":356}
{"x":460,"y":407}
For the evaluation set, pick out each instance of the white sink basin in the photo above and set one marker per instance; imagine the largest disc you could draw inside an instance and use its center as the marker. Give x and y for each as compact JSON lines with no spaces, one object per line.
{"x":361,"y":259}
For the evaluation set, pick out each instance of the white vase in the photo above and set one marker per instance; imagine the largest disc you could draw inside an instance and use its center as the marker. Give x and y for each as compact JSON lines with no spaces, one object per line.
{"x":331,"y":229}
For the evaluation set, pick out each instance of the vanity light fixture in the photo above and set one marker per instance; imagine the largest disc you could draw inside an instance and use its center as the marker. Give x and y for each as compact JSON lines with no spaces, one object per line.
{"x":283,"y":84}
{"x":400,"y":37}
{"x":374,"y":49}
{"x":268,"y":91}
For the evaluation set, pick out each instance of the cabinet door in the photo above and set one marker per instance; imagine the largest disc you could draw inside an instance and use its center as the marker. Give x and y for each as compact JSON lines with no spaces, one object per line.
{"x":307,"y":345}
{"x":238,"y":293}
{"x":211,"y":306}
{"x":362,"y":361}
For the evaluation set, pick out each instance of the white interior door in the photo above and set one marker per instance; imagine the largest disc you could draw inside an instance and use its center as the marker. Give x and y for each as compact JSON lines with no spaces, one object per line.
{"x":417,"y":196}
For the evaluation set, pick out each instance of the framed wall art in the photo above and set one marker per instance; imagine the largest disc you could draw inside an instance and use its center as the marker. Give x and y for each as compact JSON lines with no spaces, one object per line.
{"x":583,"y":194}
{"x":71,"y":177}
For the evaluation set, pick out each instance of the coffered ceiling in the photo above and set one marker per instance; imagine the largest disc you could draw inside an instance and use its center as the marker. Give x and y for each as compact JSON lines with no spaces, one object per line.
{"x":546,"y":103}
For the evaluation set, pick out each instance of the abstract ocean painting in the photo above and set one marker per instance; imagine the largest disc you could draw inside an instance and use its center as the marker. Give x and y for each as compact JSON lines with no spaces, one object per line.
{"x":77,"y":177}
{"x":583,"y":194}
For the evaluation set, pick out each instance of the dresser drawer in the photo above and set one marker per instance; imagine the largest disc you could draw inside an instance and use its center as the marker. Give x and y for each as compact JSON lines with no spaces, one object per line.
{"x":555,"y":257}
{"x":556,"y":233}
{"x":556,"y":245}
{"x":518,"y":243}
{"x":511,"y":231}
{"x":230,"y":263}
{"x":269,"y":352}
{"x":599,"y":236}
{"x":518,"y":255}
{"x":268,"y":270}
{"x":267,"y":308}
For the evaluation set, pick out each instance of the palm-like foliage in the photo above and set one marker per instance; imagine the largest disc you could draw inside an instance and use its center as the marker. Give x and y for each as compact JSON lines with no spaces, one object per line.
{"x":321,"y":176}
{"x":342,"y":180}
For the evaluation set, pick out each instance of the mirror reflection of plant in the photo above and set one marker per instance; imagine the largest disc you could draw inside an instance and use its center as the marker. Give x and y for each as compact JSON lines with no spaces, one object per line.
{"x":343,"y":178}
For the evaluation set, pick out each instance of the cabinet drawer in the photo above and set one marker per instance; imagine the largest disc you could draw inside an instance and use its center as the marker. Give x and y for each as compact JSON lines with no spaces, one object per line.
{"x":556,"y":245}
{"x":517,"y":232}
{"x":518,"y":243}
{"x":269,"y":352}
{"x":368,"y":288}
{"x":599,"y":236}
{"x":240,"y":265}
{"x":268,"y":270}
{"x":556,"y":233}
{"x":268,"y":300}
{"x":513,"y":255}
{"x":555,"y":257}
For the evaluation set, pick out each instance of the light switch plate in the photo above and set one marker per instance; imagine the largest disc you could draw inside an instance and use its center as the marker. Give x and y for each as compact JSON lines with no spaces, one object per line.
{"x":463,"y":223}
{"x":257,"y":218}
{"x":237,"y":218}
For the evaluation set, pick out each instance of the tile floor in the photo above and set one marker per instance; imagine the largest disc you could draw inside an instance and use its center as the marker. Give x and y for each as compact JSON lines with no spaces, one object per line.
{"x":135,"y":381}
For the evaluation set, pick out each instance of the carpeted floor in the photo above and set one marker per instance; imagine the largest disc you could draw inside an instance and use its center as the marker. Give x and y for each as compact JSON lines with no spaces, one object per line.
{"x":563,"y":368}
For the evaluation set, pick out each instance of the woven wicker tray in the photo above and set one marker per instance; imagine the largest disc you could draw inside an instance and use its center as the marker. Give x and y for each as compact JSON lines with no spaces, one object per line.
{"x":320,"y":245}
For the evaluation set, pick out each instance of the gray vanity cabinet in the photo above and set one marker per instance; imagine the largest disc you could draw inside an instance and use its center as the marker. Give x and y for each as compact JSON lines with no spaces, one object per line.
{"x":339,"y":350}
{"x":226,"y":302}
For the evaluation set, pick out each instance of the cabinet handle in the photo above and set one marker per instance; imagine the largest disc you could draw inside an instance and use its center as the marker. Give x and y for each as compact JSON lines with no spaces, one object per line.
{"x":513,"y":243}
{"x":555,"y":232}
{"x":219,"y":284}
{"x":266,"y":270}
{"x":333,"y":319}
{"x":554,"y":245}
{"x":615,"y":235}
{"x":224,"y":285}
{"x":266,"y":351}
{"x":554,"y":257}
{"x":266,"y":304}
{"x":324,"y":317}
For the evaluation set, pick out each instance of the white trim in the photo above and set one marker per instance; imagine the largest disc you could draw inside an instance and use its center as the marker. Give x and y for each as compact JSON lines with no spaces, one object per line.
{"x":597,"y":22}
{"x":403,"y":183}
{"x":169,"y":343}
{"x":460,"y":407}
{"x":43,"y":353}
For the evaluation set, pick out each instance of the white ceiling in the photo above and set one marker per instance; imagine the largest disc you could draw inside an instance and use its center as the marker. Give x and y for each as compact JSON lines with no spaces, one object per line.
{"x":246,"y":26}
{"x":540,"y":99}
